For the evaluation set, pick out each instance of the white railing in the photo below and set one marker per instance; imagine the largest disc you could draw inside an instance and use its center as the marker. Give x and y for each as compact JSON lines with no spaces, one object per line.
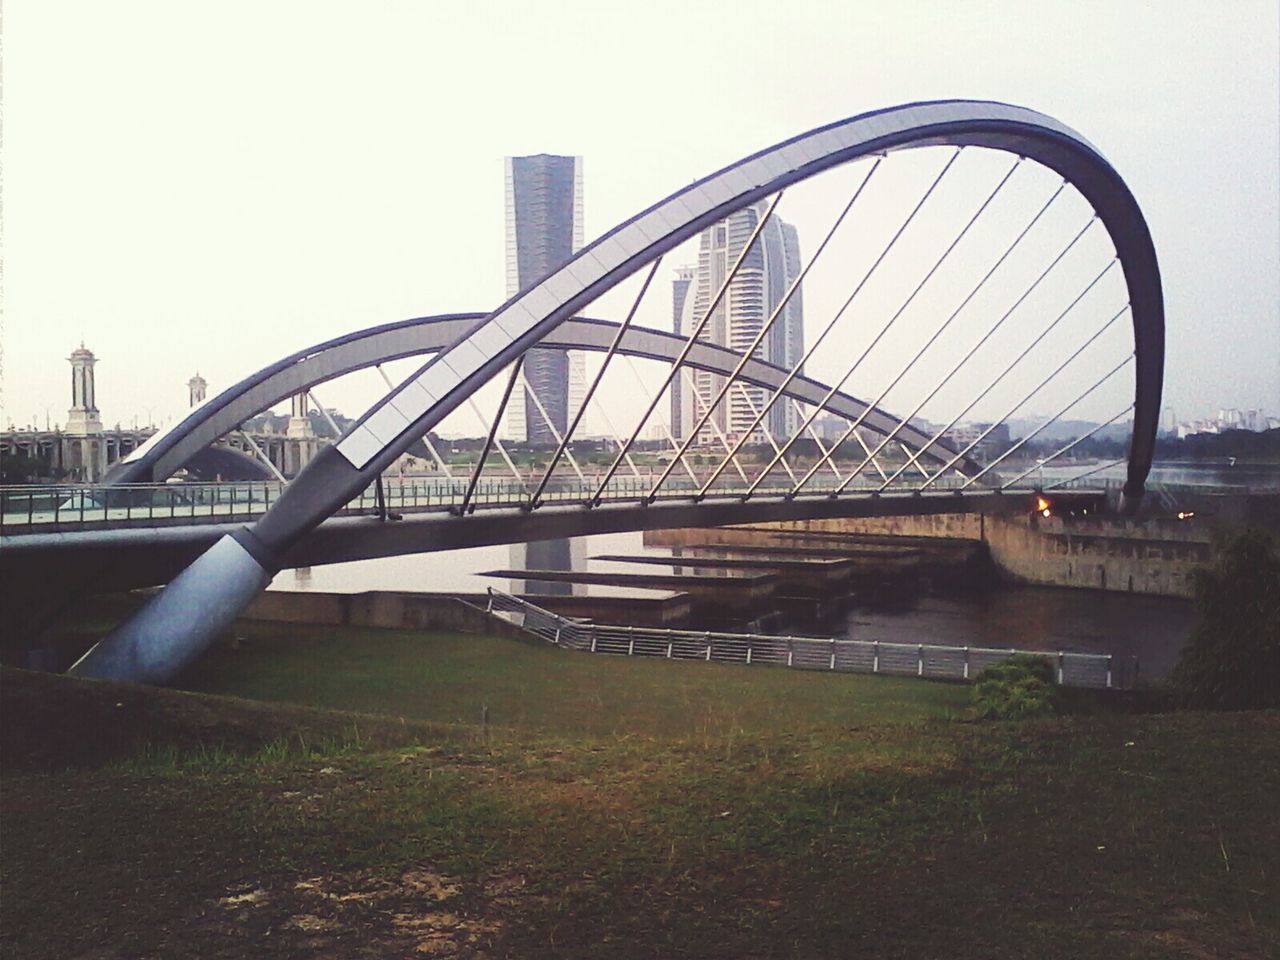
{"x":933,"y":661}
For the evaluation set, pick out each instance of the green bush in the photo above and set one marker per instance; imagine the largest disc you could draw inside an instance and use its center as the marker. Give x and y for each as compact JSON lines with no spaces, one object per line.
{"x":1232,"y":661}
{"x":1017,"y":689}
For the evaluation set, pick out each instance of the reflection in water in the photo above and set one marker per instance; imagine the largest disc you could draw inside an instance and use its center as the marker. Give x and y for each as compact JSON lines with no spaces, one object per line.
{"x":560,"y":555}
{"x":1153,"y":629}
{"x":1045,"y":618}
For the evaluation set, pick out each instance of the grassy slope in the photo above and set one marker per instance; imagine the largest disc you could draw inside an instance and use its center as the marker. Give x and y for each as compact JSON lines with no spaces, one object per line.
{"x":742,"y":813}
{"x":532,"y":687}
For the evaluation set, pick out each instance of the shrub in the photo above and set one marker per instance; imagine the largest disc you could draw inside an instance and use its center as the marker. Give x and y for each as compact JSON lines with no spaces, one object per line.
{"x":1232,"y":660}
{"x":1017,"y":689}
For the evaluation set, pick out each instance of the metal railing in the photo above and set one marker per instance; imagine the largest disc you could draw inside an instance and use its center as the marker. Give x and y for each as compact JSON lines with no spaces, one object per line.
{"x":58,"y":506}
{"x":1099,"y":671}
{"x":61,"y":507}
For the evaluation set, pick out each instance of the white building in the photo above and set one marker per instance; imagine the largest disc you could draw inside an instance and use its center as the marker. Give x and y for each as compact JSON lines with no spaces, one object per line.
{"x":756,"y":298}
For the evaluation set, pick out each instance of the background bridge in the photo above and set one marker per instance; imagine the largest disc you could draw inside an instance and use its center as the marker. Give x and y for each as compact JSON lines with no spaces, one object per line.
{"x":980,"y":262}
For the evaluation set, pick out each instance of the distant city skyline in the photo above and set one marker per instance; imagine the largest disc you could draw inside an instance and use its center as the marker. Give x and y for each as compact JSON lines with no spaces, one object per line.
{"x":178,"y":216}
{"x":83,"y":360}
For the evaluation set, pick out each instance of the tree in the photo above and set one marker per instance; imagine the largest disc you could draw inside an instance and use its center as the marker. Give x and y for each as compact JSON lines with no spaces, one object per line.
{"x":1232,"y":661}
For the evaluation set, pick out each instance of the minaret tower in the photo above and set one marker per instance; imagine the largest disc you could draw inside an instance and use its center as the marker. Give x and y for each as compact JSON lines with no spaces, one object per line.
{"x":196,"y":388}
{"x":299,"y":423}
{"x":83,"y":417}
{"x":301,"y":442}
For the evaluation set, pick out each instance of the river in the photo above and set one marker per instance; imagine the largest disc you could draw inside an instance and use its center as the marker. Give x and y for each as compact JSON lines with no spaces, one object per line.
{"x":1152,"y":629}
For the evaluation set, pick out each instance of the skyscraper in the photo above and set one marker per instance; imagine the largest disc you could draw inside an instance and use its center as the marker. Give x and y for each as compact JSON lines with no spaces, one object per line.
{"x":679,"y":297}
{"x":757,"y":291}
{"x":544,"y":229}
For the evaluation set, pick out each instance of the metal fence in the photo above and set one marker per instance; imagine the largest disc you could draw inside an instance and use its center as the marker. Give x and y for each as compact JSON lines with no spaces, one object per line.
{"x":40,"y":508}
{"x":1100,"y":671}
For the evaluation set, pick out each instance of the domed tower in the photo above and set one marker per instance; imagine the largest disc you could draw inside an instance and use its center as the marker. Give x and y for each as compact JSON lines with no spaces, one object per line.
{"x":83,"y":417}
{"x":83,"y":447}
{"x":196,"y":388}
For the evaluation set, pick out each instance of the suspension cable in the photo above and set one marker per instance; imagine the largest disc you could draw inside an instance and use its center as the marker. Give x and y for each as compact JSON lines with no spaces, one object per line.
{"x":1057,"y":453}
{"x":973,"y":293}
{"x":795,"y":371}
{"x":905,"y":304}
{"x":773,"y":442}
{"x":591,"y":390}
{"x":992,"y":385}
{"x":715,"y":428}
{"x":799,"y":412}
{"x":493,"y":431}
{"x":936,"y":334}
{"x":1007,"y":370}
{"x":749,"y":352}
{"x":1087,"y":473}
{"x":977,"y":346}
{"x":1060,"y":367}
{"x":253,"y":445}
{"x":858,"y":289}
{"x":662,"y":420}
{"x":688,"y":346}
{"x":546,"y":418}
{"x":1114,"y":370}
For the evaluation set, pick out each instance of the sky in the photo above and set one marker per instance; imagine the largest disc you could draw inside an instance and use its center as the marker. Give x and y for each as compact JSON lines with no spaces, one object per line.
{"x":199,"y":186}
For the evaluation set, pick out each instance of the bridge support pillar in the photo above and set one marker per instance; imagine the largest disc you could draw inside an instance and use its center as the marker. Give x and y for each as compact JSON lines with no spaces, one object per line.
{"x":161,"y":639}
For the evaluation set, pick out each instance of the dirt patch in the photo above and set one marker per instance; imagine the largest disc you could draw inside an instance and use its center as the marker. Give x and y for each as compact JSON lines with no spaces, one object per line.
{"x":419,"y":912}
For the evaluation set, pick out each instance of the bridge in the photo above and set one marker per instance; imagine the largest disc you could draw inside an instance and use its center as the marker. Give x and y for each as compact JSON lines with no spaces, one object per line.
{"x":1015,"y":294}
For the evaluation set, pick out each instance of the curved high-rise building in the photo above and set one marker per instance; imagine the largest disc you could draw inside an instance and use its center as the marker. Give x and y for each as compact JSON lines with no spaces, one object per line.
{"x":758,"y":290}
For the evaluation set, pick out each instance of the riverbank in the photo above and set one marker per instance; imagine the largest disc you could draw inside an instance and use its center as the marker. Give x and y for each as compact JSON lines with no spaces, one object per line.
{"x":1146,"y":556}
{"x":639,"y":808}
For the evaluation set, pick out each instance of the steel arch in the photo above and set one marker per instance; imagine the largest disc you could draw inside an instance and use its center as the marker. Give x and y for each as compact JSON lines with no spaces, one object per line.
{"x":177,"y":624}
{"x":164,"y":453}
{"x":531,"y":314}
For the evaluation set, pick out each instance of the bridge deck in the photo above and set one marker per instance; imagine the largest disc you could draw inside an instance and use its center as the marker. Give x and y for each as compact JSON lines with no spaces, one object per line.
{"x":31,"y":510}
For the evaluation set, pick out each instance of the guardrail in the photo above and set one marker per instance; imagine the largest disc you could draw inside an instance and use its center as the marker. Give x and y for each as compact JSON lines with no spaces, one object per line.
{"x":1098,"y":671}
{"x":61,"y":507}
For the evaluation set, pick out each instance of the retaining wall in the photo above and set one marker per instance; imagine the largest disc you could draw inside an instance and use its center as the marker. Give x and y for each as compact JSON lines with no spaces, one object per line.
{"x":399,"y":611}
{"x":449,"y":611}
{"x":1152,"y":556}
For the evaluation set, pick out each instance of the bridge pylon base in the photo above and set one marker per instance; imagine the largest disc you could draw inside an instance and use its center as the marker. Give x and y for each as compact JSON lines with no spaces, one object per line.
{"x":178,"y":624}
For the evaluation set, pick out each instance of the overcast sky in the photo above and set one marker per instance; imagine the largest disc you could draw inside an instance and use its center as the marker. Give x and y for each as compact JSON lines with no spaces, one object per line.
{"x":211,"y":185}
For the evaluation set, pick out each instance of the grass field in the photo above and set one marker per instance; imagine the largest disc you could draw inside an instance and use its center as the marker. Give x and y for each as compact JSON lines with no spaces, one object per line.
{"x":532,"y":688}
{"x":615,"y":808}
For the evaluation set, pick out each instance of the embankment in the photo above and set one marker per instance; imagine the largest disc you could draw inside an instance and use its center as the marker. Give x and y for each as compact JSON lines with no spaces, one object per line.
{"x":1150,"y":556}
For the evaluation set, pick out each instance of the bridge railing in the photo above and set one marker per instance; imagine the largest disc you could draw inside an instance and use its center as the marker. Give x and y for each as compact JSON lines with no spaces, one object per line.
{"x":934,"y":661}
{"x":62,"y":507}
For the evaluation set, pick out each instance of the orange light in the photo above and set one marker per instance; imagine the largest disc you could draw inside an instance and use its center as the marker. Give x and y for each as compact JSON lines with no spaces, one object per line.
{"x":1042,"y":506}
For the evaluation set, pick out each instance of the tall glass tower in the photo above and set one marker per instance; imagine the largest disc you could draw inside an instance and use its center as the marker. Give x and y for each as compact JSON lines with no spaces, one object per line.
{"x":544,"y":229}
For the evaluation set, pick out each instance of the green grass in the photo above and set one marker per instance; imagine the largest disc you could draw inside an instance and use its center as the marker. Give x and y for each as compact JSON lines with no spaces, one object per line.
{"x":618,"y":808}
{"x":532,"y":688}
